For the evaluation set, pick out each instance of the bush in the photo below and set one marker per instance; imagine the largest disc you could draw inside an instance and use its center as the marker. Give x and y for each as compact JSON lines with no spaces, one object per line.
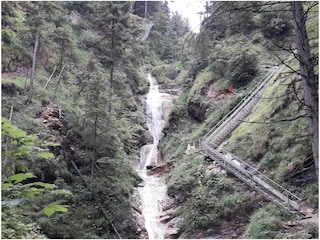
{"x":211,"y":203}
{"x":201,"y":210}
{"x":184,"y":177}
{"x":242,"y":69}
{"x":165,"y":73}
{"x":14,"y":225}
{"x":263,"y":225}
{"x":311,"y":194}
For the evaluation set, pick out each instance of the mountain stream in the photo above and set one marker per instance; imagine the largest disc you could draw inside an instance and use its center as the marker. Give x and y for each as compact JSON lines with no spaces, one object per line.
{"x":154,"y":191}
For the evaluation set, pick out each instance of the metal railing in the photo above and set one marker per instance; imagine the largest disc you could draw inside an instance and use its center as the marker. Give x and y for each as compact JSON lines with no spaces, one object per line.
{"x":245,"y":105}
{"x":210,"y":142}
{"x":254,"y":178}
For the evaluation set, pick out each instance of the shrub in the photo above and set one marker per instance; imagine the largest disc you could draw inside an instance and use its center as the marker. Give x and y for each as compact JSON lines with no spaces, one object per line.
{"x":210,"y":204}
{"x":13,"y":225}
{"x":263,"y":225}
{"x":185,"y":177}
{"x":242,"y":69}
{"x":311,"y":194}
{"x":201,"y":210}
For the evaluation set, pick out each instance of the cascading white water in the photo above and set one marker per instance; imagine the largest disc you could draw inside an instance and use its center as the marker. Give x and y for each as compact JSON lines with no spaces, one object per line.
{"x":154,"y":111}
{"x":153,"y":193}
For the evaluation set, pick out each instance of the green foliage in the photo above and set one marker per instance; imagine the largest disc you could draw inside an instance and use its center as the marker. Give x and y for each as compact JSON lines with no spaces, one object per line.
{"x":113,"y":187}
{"x":14,"y":225}
{"x":18,"y":185}
{"x":20,"y":177}
{"x":310,"y":230}
{"x":276,"y":22}
{"x":207,"y":198}
{"x":165,"y":73}
{"x":166,"y":37}
{"x":311,"y":194}
{"x":184,"y":178}
{"x":104,"y":62}
{"x":52,"y":208}
{"x":19,"y":146}
{"x":242,"y":69}
{"x":263,"y":225}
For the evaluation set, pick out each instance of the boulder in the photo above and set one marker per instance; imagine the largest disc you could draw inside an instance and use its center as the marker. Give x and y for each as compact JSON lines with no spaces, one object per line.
{"x":165,"y":218}
{"x":172,"y":233}
{"x":148,"y":137}
{"x":197,"y":110}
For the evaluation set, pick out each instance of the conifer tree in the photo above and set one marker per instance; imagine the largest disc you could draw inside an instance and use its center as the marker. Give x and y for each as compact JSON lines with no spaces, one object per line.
{"x":39,"y":17}
{"x":309,"y":80}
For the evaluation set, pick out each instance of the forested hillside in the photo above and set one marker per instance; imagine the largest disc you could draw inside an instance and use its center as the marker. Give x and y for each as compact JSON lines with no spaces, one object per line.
{"x":236,"y":41}
{"x":73,"y":122}
{"x":72,"y":74}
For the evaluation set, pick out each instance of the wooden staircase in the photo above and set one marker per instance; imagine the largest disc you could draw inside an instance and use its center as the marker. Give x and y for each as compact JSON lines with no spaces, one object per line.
{"x":255,"y":179}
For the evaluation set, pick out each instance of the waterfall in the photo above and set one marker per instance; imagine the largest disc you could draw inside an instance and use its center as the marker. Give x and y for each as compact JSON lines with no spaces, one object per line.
{"x":153,"y":193}
{"x":154,"y":111}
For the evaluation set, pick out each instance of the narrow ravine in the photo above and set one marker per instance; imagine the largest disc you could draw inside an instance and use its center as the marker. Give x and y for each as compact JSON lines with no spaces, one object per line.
{"x":154,"y":191}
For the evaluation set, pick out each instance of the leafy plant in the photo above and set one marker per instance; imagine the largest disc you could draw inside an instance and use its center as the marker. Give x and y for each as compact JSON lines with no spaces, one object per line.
{"x":20,"y":146}
{"x":263,"y":225}
{"x":14,"y":225}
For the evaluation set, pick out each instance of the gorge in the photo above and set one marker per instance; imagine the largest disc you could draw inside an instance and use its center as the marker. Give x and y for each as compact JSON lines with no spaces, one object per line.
{"x":107,"y":108}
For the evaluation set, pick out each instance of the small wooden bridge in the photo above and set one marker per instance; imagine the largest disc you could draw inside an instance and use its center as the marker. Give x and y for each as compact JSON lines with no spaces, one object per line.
{"x":209,"y":144}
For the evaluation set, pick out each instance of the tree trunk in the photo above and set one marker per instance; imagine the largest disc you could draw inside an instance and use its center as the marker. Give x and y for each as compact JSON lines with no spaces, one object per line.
{"x":112,"y":62}
{"x":309,"y":80}
{"x":58,"y":82}
{"x":45,"y":86}
{"x":34,"y":62}
{"x":61,"y":54}
{"x":145,"y":9}
{"x":94,"y":146}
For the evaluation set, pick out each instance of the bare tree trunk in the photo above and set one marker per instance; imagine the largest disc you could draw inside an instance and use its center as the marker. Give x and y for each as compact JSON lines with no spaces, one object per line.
{"x":25,"y":83}
{"x":34,"y":62}
{"x":309,"y":80}
{"x":45,"y":86}
{"x":11,"y":112}
{"x":55,"y":90}
{"x":112,"y":62}
{"x":145,"y":9}
{"x":5,"y":161}
{"x":94,"y":150}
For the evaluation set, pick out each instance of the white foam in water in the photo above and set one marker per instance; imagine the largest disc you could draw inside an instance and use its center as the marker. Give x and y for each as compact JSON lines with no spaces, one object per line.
{"x":154,"y":192}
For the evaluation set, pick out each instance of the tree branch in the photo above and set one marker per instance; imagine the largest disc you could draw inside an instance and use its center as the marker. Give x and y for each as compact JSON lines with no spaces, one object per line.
{"x":278,"y":121}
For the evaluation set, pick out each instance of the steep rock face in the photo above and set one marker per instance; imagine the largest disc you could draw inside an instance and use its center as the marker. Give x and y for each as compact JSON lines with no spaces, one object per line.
{"x":167,"y":103}
{"x":197,"y":110}
{"x":200,"y":97}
